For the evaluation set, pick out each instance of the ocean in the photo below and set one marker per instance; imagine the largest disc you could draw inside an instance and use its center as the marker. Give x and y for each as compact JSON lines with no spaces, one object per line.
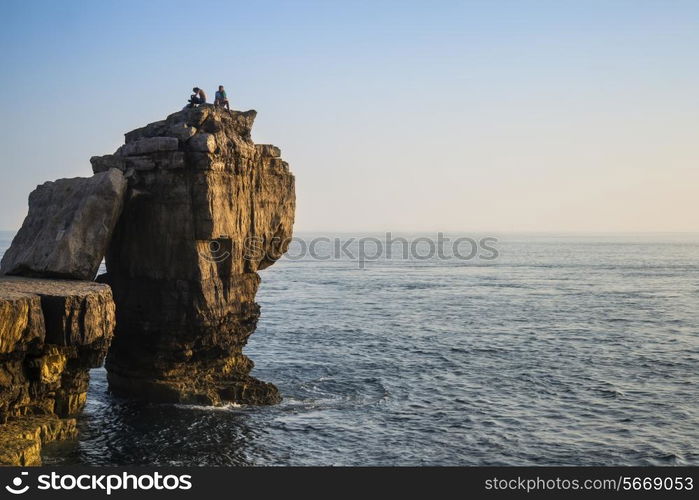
{"x":560,"y":350}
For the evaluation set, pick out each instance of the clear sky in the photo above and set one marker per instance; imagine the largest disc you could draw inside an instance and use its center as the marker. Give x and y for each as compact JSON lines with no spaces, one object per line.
{"x":394,"y":115}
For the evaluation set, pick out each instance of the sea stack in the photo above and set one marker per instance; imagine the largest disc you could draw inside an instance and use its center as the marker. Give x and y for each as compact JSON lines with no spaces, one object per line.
{"x":205,"y":209}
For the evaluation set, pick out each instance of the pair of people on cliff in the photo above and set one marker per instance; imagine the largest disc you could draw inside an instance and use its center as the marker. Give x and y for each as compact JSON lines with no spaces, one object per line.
{"x":199,"y":97}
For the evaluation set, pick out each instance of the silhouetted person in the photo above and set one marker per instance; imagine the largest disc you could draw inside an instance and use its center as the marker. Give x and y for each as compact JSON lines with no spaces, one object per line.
{"x":221,"y":99}
{"x":198,"y":97}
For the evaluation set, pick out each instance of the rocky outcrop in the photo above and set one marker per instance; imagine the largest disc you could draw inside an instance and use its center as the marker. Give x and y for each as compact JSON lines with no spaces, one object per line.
{"x":51,"y":333}
{"x":205,"y":209}
{"x":67,"y":229}
{"x":187,"y":211}
{"x":21,"y":439}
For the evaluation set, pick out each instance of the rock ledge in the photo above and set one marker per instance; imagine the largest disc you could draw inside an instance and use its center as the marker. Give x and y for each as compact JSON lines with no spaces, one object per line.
{"x":51,"y":333}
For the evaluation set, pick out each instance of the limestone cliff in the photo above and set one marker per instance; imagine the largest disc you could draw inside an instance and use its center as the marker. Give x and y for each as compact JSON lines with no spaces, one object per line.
{"x":205,"y":209}
{"x":187,"y":211}
{"x":51,"y":333}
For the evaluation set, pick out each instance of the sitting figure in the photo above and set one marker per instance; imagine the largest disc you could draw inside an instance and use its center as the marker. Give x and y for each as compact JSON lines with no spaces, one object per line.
{"x":221,"y":99}
{"x":198,"y":97}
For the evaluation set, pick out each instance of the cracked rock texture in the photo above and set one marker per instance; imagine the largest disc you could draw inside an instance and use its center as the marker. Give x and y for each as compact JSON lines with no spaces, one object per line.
{"x":21,"y":439}
{"x":51,"y":333}
{"x":205,"y":209}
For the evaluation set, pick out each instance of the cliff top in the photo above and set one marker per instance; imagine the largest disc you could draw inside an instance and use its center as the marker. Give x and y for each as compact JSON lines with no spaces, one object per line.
{"x":204,"y":118}
{"x":16,"y":286}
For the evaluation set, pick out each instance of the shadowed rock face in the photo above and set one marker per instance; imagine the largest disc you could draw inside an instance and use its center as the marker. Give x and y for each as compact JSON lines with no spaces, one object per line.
{"x":205,"y":209}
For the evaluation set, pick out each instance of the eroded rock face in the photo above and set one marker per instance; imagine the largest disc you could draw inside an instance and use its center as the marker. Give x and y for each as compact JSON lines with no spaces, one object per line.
{"x":205,"y":209}
{"x":51,"y":333}
{"x":21,"y":439}
{"x":67,"y":229}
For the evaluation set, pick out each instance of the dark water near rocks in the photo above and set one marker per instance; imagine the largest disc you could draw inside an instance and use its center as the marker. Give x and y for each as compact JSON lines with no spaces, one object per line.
{"x":563,"y":351}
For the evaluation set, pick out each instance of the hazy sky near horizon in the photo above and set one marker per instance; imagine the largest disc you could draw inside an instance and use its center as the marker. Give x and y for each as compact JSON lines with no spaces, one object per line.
{"x":394,"y":115}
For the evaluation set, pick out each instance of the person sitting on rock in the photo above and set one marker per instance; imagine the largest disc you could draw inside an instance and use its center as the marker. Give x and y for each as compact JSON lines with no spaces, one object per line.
{"x":198,"y":97}
{"x":221,"y":99}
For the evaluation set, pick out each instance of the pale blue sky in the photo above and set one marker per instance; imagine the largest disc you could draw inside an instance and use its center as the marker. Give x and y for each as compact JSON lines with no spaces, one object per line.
{"x":474,"y":115}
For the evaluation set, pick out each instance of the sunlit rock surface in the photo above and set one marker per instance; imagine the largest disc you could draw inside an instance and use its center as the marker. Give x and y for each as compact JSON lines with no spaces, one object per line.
{"x":51,"y":333}
{"x":205,"y":209}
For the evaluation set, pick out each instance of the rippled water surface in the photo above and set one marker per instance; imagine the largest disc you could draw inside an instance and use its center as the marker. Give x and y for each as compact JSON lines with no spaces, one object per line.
{"x":562,"y":351}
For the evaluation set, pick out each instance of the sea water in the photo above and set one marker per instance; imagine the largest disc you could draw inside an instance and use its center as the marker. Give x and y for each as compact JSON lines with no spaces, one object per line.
{"x":562,"y":350}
